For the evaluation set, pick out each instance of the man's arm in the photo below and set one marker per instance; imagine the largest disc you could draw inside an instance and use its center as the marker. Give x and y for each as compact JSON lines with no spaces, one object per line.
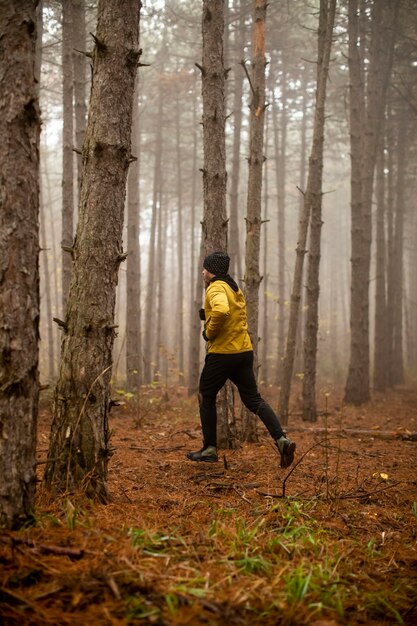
{"x":220,"y":310}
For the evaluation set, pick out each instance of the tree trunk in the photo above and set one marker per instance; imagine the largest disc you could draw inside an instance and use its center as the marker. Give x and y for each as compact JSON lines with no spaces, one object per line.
{"x":234,"y":239}
{"x":254,"y":199}
{"x":280,"y":145}
{"x":314,"y":199}
{"x":214,"y":171}
{"x":80,"y":80}
{"x":299,"y":356}
{"x":45,"y":281}
{"x":179,"y":331}
{"x":67,"y":152}
{"x":19,"y":258}
{"x":196,"y":283}
{"x":133,"y":269}
{"x":365,"y":121}
{"x":149,"y":324}
{"x":381,"y":336}
{"x":398,"y":376}
{"x":311,"y":208}
{"x":78,"y":452}
{"x":264,"y":365}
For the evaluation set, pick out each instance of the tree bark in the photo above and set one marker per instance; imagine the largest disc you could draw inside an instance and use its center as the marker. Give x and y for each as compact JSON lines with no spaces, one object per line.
{"x":149,"y":323}
{"x":67,"y":151}
{"x":214,"y":171}
{"x":314,"y":199}
{"x":79,"y":65}
{"x":196,"y":282}
{"x":380,"y":378}
{"x":234,"y":239}
{"x":19,"y":258}
{"x":311,"y":207}
{"x":366,"y":114}
{"x":133,"y":269}
{"x":78,"y":453}
{"x":254,"y":198}
{"x":179,"y":332}
{"x":397,"y":372}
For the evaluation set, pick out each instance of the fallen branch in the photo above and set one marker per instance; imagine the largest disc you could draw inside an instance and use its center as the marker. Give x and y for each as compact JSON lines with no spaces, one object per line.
{"x":73,"y":553}
{"x":349,"y":432}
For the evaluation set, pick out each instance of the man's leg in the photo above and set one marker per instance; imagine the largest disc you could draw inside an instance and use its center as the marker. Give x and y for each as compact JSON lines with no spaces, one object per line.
{"x":244,"y":379}
{"x":212,"y":379}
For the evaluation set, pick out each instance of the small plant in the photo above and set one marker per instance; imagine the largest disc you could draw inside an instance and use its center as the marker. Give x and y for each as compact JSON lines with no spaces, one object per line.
{"x":138,"y":607}
{"x":297,"y":584}
{"x":253,"y":564}
{"x":154,"y":544}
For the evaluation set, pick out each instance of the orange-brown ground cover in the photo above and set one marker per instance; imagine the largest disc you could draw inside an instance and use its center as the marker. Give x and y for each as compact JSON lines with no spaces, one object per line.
{"x":185,"y":543}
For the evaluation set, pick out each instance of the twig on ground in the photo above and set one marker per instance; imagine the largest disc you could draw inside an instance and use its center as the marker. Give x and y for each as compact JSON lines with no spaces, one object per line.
{"x":73,"y":553}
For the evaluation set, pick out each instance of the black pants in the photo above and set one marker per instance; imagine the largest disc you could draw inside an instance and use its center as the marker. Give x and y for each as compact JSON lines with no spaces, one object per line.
{"x":238,"y":368}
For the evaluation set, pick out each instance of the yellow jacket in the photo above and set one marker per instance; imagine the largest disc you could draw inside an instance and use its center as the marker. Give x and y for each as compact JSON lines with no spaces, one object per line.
{"x":226,"y":326}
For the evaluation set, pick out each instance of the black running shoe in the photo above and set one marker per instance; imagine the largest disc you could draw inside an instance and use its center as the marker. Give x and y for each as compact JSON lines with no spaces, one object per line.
{"x":208,"y":454}
{"x":286,"y":448}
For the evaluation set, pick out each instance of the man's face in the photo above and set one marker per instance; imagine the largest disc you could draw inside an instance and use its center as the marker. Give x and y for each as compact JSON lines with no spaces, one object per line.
{"x":207,"y":276}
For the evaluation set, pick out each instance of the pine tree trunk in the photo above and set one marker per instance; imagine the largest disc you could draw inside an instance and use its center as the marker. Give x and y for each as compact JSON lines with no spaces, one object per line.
{"x":365,"y":124}
{"x":326,"y":22}
{"x":254,"y":199}
{"x":398,"y":271}
{"x":280,"y":144}
{"x":67,"y":232}
{"x":161,"y":350}
{"x":380,"y":379}
{"x":264,"y":365}
{"x":311,"y":211}
{"x":79,"y":445}
{"x":214,"y":172}
{"x":133,"y":269}
{"x":80,"y":80}
{"x":196,"y":283}
{"x":179,"y":331}
{"x":19,"y":257}
{"x":299,"y":356}
{"x":149,"y":323}
{"x":234,"y":238}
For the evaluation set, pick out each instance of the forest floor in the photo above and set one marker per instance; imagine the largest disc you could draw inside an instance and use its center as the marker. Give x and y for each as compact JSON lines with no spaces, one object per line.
{"x":331,"y":540}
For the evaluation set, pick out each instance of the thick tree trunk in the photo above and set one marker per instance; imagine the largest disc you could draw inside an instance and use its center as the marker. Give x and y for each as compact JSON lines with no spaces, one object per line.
{"x":366,"y":114}
{"x":79,"y":451}
{"x":214,"y":171}
{"x":19,"y":255}
{"x":254,"y":199}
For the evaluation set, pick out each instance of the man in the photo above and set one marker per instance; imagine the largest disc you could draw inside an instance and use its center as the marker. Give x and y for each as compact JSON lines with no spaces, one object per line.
{"x":229,"y":356}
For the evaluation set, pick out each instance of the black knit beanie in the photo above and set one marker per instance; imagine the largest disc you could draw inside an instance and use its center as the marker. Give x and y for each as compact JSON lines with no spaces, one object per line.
{"x":217,"y":263}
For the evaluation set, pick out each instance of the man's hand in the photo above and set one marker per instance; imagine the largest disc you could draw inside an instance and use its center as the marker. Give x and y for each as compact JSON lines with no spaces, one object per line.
{"x":202,"y":314}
